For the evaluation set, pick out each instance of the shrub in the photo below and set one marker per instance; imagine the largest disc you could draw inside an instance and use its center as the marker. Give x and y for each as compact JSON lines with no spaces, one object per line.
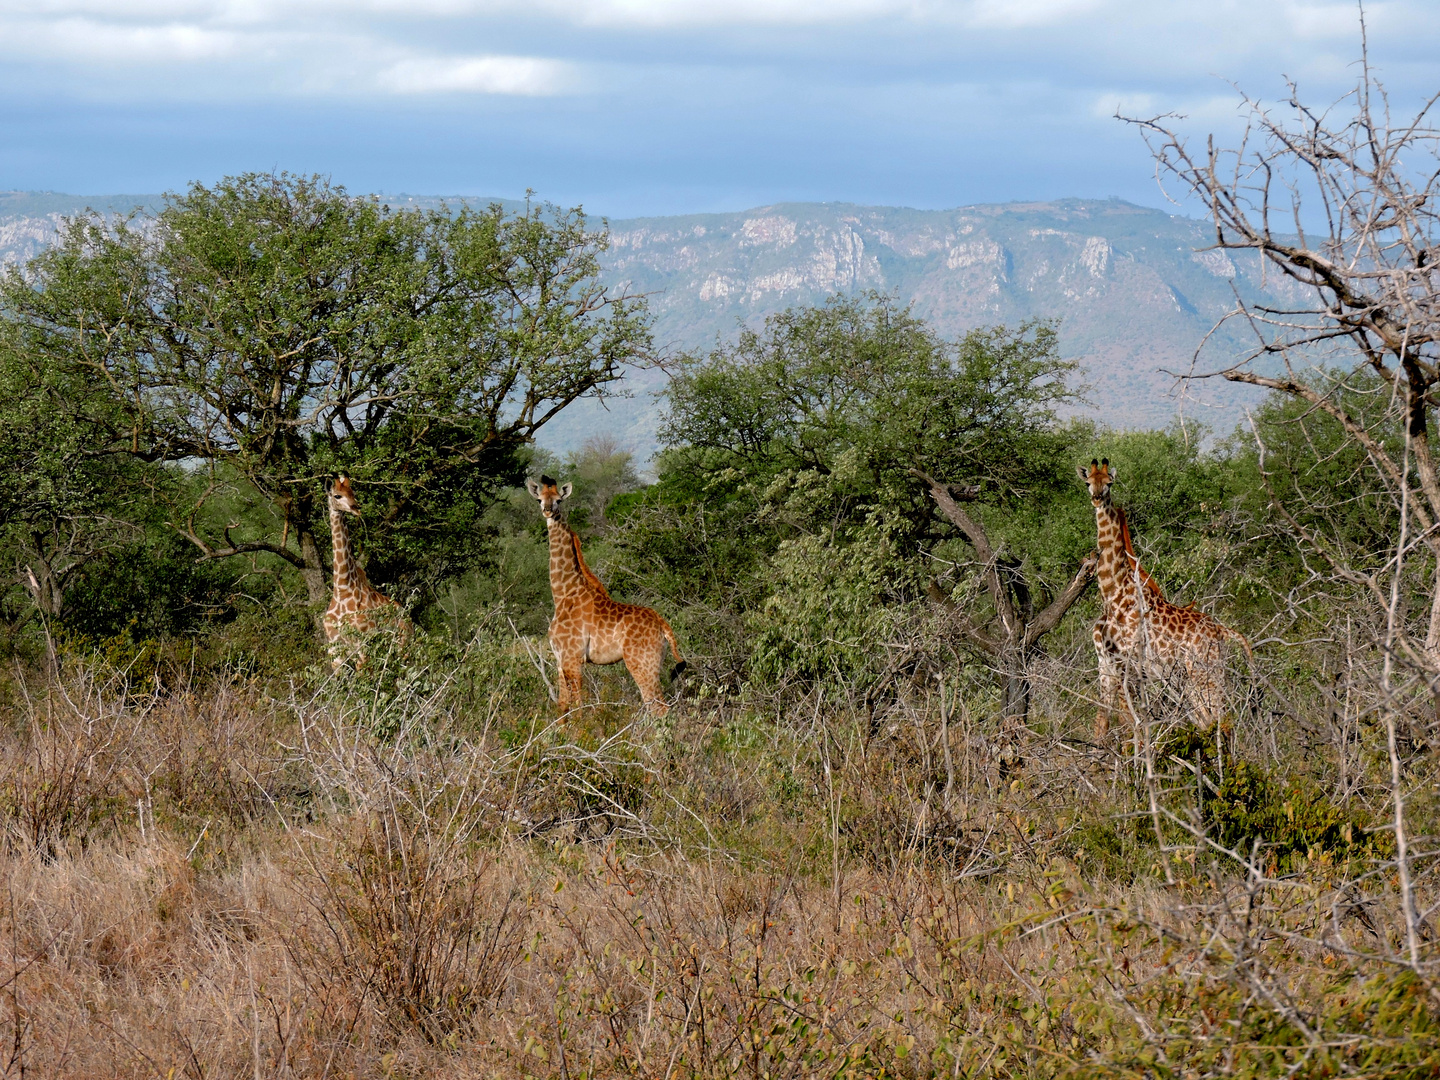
{"x":404,"y":913}
{"x":827,"y":618}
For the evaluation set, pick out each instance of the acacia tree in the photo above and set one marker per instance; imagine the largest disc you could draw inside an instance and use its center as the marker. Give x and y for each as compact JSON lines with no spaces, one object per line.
{"x":859,"y":390}
{"x":275,"y":329}
{"x":1010,"y":637}
{"x":67,"y":496}
{"x":788,"y":485}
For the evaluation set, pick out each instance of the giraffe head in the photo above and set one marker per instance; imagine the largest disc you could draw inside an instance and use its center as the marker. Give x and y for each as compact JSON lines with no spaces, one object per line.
{"x":342,"y":496}
{"x":1098,"y":477}
{"x":551,"y":495}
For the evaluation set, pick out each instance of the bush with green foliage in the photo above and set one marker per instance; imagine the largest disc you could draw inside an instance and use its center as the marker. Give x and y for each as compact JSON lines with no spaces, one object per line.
{"x":785,"y":515}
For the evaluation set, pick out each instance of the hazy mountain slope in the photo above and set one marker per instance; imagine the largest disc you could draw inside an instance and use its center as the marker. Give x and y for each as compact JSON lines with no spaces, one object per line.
{"x":28,"y":219}
{"x":1133,"y":291}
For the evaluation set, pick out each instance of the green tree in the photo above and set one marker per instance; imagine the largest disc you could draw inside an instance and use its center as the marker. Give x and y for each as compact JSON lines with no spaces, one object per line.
{"x":275,"y":329}
{"x":860,"y":390}
{"x":67,"y":495}
{"x":601,"y":470}
{"x":800,"y":441}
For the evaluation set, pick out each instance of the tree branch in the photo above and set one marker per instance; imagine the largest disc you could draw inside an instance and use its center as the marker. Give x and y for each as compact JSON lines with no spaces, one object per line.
{"x":1050,"y":618}
{"x":233,"y":547}
{"x":975,"y":533}
{"x":1376,"y":452}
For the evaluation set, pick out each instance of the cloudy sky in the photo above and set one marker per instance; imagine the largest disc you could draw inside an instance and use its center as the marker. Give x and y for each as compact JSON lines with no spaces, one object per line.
{"x":662,"y":106}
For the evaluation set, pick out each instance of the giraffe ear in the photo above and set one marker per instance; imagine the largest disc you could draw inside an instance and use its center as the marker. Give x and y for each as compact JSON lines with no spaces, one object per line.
{"x":532,"y":487}
{"x":1084,"y":472}
{"x":565,"y":490}
{"x":1112,"y":473}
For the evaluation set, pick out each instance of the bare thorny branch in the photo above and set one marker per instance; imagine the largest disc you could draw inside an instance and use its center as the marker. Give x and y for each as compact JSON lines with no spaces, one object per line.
{"x":1337,"y":209}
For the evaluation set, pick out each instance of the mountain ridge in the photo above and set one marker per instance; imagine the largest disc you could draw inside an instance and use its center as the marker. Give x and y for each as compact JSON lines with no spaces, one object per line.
{"x":1135,"y":290}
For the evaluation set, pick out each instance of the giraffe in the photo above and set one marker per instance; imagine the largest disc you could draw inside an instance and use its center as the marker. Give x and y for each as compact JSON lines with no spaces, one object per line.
{"x":588,"y":626}
{"x":1139,"y":626}
{"x":355,"y":604}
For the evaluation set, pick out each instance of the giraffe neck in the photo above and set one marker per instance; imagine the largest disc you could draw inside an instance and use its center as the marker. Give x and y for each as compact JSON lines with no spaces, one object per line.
{"x":568,"y":577}
{"x":1116,"y":572}
{"x":1120,"y":573}
{"x":349,"y":577}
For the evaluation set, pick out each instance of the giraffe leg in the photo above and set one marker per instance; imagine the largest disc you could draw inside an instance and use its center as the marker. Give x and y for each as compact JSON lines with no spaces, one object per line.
{"x":571,"y":683}
{"x":562,"y":689}
{"x":1109,"y":682}
{"x":569,"y":664}
{"x":1206,"y":693}
{"x":1109,"y":695}
{"x":573,"y":676}
{"x":1114,"y":694}
{"x":644,"y":665}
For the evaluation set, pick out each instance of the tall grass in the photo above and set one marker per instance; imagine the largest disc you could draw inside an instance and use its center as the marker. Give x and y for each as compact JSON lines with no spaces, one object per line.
{"x":417,"y":873}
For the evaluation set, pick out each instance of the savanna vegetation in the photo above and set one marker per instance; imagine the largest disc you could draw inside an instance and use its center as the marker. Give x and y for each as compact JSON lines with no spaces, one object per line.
{"x":876,"y":837}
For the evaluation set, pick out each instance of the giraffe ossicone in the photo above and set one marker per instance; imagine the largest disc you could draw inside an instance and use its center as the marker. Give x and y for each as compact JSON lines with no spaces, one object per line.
{"x":355,"y":605}
{"x":590,"y":628}
{"x":1139,"y":630}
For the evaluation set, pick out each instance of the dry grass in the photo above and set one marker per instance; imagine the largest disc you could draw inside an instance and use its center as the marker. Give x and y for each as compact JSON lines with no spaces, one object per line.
{"x":213,"y":881}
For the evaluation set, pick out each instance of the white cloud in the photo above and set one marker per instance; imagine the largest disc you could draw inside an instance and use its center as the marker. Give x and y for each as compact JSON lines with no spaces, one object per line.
{"x":114,"y":9}
{"x":694,"y":13}
{"x":261,"y":55}
{"x":659,"y":13}
{"x":1018,"y":14}
{"x":415,"y":48}
{"x":618,"y":13}
{"x":1246,"y":24}
{"x":1219,"y":109}
{"x":478,"y":75}
{"x":83,"y":39}
{"x":1313,"y":21}
{"x":1127,"y":103}
{"x":653,"y":13}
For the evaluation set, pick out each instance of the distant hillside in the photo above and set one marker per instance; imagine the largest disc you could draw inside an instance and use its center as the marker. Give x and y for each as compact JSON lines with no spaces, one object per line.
{"x":1133,"y":290}
{"x":28,"y":219}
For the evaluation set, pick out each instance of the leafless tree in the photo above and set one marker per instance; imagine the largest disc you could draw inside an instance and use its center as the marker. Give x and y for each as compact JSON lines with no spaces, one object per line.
{"x":1337,"y":205}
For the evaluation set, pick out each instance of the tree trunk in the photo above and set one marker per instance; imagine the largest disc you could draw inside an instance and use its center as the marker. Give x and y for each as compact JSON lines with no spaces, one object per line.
{"x":1015,"y":705}
{"x":45,"y":587}
{"x":1432,"y":631}
{"x":314,"y":569}
{"x":1020,"y":627}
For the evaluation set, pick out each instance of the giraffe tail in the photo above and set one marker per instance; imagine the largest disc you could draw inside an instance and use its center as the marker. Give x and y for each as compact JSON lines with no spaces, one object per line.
{"x":680,"y":662}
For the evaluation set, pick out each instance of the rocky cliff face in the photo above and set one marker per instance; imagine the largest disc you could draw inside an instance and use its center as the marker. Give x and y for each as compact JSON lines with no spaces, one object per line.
{"x":30,"y":219}
{"x":1134,"y":289}
{"x":22,"y":238}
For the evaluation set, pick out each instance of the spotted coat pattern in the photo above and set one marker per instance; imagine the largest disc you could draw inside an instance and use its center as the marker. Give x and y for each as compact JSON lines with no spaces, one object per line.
{"x":1139,"y":629}
{"x":355,"y":604}
{"x":588,"y":626}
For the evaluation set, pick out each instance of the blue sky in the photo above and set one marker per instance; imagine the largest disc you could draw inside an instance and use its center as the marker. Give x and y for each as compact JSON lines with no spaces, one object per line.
{"x":638,"y":107}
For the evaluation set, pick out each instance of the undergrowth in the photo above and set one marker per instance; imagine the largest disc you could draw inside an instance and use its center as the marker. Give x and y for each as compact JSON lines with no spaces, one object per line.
{"x":418,"y":870}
